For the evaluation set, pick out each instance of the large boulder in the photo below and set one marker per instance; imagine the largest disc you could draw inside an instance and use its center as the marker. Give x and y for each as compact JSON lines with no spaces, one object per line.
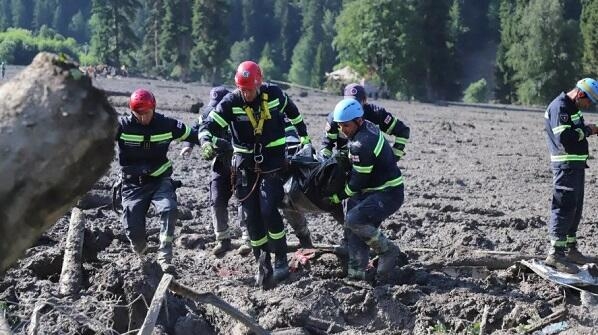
{"x":57,"y":136}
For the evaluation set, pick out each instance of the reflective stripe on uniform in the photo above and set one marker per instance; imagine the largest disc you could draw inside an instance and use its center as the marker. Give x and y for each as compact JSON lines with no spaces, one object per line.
{"x":567,"y":158}
{"x":560,"y":129}
{"x":297,"y":119}
{"x":379,"y":145}
{"x":392,"y":126}
{"x":363,"y":169}
{"x":238,"y":111}
{"x":161,"y":169}
{"x":259,"y":242}
{"x":161,"y":137}
{"x":391,"y":183}
{"x":576,"y":116}
{"x":558,"y":243}
{"x":165,"y":238}
{"x":332,"y":136}
{"x":401,"y":140}
{"x":222,"y":122}
{"x":131,"y":138}
{"x":276,"y":143}
{"x":349,"y":191}
{"x":571,"y":239}
{"x":185,"y":135}
{"x":273,"y":103}
{"x":277,"y":236}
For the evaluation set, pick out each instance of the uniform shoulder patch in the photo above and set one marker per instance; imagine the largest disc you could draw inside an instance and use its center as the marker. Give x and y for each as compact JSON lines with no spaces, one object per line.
{"x":564,"y":117}
{"x":179,"y":124}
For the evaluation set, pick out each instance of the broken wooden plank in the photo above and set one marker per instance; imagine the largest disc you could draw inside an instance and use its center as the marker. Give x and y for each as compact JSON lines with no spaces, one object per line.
{"x":70,"y":276}
{"x":154,"y":310}
{"x":212,"y":299}
{"x":552,"y":318}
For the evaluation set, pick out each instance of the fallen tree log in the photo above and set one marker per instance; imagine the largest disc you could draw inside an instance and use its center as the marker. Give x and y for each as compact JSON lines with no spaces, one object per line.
{"x":154,"y":310}
{"x":70,"y":276}
{"x":56,"y":138}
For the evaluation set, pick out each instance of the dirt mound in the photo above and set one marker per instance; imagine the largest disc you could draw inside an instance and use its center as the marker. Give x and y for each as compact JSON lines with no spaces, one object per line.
{"x":477,"y":183}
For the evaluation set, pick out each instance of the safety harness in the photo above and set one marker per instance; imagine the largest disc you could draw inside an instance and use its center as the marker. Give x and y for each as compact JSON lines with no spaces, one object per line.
{"x":258,"y":128}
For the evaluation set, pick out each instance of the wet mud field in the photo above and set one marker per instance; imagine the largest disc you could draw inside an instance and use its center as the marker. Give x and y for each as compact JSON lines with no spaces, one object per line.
{"x":478,"y":190}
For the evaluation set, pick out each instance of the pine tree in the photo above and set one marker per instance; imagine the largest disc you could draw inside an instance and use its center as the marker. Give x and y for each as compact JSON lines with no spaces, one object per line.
{"x":210,"y":36}
{"x":589,"y":17}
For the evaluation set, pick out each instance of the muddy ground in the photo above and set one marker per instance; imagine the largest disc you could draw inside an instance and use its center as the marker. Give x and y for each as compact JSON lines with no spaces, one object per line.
{"x":476,"y":179}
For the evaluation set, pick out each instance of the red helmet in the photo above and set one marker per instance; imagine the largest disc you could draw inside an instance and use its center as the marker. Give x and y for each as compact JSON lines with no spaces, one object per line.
{"x":142,"y":101}
{"x":248,"y":76}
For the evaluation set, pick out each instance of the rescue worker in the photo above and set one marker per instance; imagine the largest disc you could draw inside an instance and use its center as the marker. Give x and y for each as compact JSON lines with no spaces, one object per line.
{"x":374,"y":191}
{"x":567,"y":135}
{"x":220,"y":183}
{"x":255,"y":112}
{"x":371,"y":112}
{"x":143,"y":140}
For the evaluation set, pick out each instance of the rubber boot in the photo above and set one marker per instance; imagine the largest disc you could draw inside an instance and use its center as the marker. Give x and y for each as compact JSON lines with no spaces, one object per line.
{"x":387,"y":252}
{"x":281,"y":267}
{"x":245,"y":247}
{"x":264,"y":273}
{"x":558,"y":260}
{"x":220,"y":223}
{"x":575,"y":256}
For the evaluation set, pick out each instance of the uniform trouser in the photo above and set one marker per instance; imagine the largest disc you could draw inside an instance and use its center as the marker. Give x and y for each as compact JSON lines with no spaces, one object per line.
{"x":365,"y":213}
{"x":264,"y":222}
{"x":567,"y":205}
{"x":220,"y":194}
{"x":136,"y":200}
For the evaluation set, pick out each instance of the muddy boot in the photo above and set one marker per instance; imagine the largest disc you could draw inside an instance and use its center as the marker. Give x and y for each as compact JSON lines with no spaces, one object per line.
{"x":575,"y":256}
{"x":387,"y":252}
{"x":221,"y":247}
{"x":365,"y":275}
{"x":281,"y":267}
{"x":245,"y":247}
{"x":263,"y":276}
{"x":558,"y":260}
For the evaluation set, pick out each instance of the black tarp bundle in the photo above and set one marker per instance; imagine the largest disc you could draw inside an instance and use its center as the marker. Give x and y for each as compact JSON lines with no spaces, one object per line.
{"x":311,"y":182}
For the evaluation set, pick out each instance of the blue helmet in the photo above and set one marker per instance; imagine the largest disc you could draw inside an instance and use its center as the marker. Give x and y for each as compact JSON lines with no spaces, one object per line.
{"x":589,"y":86}
{"x":347,"y":110}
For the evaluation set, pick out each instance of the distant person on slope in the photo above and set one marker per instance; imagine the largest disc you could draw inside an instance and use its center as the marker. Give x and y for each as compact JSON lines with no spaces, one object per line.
{"x":567,"y":135}
{"x":143,"y":140}
{"x":371,"y":112}
{"x":373,"y":192}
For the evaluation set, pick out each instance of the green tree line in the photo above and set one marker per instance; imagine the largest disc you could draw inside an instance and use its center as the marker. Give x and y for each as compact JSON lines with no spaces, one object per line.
{"x":523,"y":51}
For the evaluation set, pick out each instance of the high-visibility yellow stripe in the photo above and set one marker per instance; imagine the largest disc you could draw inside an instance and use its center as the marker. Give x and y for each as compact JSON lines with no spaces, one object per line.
{"x":238,"y":110}
{"x":379,"y":145}
{"x":401,"y":140}
{"x":558,"y":243}
{"x":131,"y":137}
{"x":277,"y":236}
{"x":259,"y":242}
{"x":571,"y":239}
{"x":161,"y":169}
{"x":391,"y":183}
{"x":185,"y":135}
{"x":392,"y":126}
{"x":566,"y":158}
{"x":560,"y":129}
{"x":297,"y":119}
{"x":273,"y":103}
{"x":276,"y":143}
{"x":349,"y":191}
{"x":363,"y":169}
{"x":332,"y":136}
{"x":222,"y":122}
{"x":161,"y":137}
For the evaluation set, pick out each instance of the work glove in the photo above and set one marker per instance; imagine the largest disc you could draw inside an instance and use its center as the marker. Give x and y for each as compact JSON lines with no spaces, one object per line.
{"x":324,"y":154}
{"x":208,"y":151}
{"x":334,"y":199}
{"x":398,"y":150}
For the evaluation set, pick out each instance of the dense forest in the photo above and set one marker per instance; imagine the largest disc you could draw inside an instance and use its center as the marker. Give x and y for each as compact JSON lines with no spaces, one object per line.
{"x":509,"y":51}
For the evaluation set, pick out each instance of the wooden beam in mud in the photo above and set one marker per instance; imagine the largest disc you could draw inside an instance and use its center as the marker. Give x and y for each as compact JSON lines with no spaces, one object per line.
{"x":70,"y":276}
{"x":154,"y":310}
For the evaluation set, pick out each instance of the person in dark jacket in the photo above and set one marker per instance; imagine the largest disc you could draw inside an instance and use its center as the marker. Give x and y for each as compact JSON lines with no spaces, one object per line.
{"x":333,"y":139}
{"x":373,"y":192}
{"x":143,"y":139}
{"x":255,"y":114}
{"x":567,"y":135}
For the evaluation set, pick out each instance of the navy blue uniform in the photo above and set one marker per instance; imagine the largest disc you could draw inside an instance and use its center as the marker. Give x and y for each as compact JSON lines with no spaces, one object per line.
{"x":374,"y":191}
{"x":375,"y":114}
{"x":258,"y":160}
{"x":567,"y":142}
{"x":146,"y":172}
